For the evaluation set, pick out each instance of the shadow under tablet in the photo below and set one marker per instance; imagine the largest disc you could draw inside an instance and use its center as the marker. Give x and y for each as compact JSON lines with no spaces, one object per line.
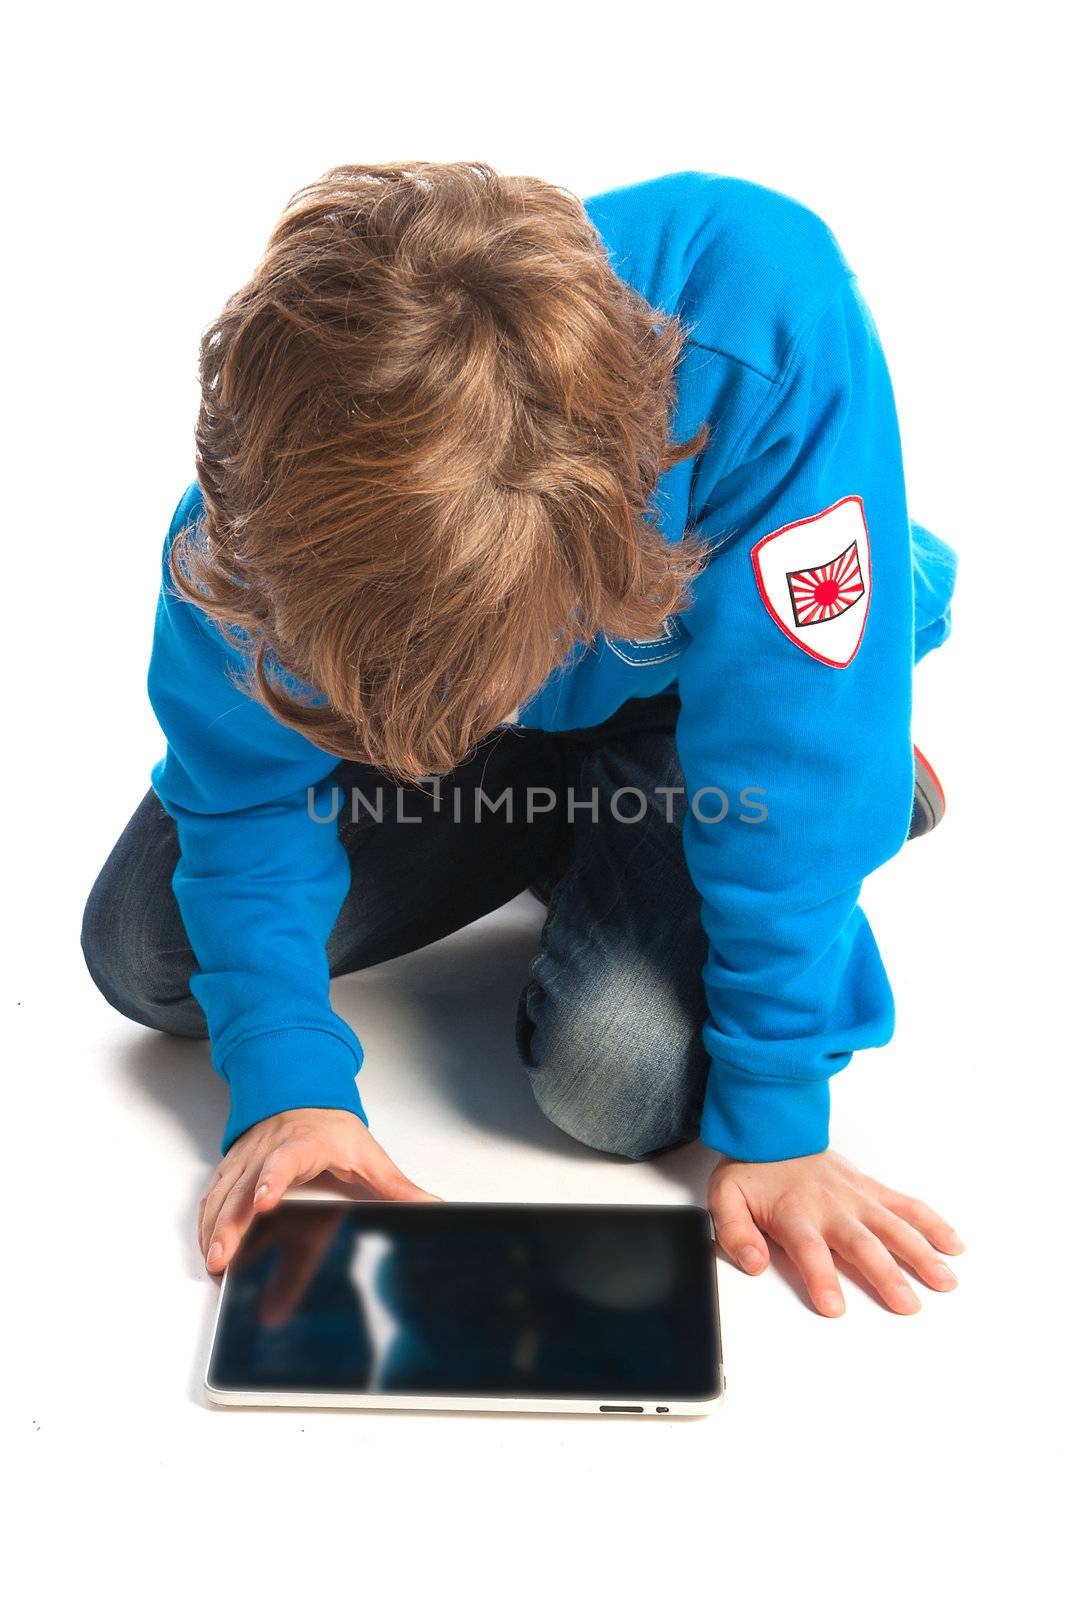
{"x":470,"y":1304}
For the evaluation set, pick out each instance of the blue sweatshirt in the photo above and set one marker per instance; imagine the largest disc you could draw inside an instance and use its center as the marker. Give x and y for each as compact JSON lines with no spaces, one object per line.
{"x":793,"y":666}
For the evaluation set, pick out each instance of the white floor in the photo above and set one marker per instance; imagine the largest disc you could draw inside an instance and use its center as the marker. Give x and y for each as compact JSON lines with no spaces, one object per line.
{"x":890,"y":1450}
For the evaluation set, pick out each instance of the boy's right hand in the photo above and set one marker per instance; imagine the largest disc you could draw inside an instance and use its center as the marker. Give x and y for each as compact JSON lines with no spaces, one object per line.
{"x":292,"y":1147}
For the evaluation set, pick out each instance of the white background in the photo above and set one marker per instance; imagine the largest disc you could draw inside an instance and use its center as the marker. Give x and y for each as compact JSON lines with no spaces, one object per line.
{"x":147,"y":153}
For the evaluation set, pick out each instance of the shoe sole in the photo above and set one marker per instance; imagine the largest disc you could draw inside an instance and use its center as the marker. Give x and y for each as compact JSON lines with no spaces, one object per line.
{"x":928,"y":805}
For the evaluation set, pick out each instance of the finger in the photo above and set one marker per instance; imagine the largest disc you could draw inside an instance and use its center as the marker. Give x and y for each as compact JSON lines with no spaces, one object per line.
{"x":234,"y":1216}
{"x":209,"y":1195}
{"x":213,"y":1201}
{"x":209,"y":1185}
{"x":295,"y":1161}
{"x":350,"y":1187}
{"x":231,"y":1222}
{"x":909,"y":1245}
{"x":805,"y":1246}
{"x":858,"y":1245}
{"x":385,"y":1179}
{"x":735,"y":1229}
{"x":927,"y":1221}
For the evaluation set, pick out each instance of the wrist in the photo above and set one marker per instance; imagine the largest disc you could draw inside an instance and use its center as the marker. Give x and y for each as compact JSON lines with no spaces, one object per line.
{"x":291,"y":1069}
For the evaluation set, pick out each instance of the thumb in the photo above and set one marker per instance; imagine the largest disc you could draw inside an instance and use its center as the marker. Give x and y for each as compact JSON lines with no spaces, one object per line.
{"x":735,"y":1229}
{"x":385,"y":1179}
{"x":391,"y":1184}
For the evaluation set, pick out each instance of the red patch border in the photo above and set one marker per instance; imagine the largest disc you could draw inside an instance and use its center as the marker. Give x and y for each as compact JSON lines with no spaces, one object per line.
{"x":799,"y":523}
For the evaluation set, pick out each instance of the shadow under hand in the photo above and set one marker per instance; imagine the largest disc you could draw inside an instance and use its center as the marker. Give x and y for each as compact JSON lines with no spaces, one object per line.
{"x":453,"y":1004}
{"x":457,"y":1000}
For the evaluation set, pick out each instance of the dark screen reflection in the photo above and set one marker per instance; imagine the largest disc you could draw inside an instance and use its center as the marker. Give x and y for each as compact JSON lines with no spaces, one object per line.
{"x":469,"y":1299}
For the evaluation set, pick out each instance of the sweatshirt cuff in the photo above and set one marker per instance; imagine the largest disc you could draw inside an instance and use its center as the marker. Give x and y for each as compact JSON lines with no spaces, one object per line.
{"x":287,"y":1070}
{"x":764,"y":1119}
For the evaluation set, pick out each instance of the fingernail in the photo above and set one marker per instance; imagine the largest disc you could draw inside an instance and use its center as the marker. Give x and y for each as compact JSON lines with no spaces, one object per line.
{"x":750,"y":1258}
{"x":263,"y":1189}
{"x":215,"y":1251}
{"x":904,"y":1298}
{"x":944,"y":1274}
{"x":831,"y":1303}
{"x":954,"y":1240}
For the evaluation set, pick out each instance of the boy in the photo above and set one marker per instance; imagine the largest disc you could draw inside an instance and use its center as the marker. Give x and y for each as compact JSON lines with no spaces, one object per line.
{"x":554,"y":544}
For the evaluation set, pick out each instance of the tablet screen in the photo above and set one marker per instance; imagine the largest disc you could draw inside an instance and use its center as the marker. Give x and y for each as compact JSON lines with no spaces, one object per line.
{"x":520,"y":1301}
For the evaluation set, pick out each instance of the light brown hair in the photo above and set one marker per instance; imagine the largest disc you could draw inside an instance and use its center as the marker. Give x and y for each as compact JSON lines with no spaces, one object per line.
{"x":430,"y":426}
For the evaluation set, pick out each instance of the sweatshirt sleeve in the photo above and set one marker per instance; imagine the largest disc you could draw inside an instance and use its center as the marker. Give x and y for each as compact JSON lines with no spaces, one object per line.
{"x":796,"y":697}
{"x":259,"y":882}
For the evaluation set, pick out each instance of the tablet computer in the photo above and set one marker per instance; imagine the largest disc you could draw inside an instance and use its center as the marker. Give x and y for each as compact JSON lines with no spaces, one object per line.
{"x":611,"y":1309}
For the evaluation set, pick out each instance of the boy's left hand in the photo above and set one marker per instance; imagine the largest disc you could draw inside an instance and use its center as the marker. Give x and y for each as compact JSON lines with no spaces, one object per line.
{"x":814,"y":1204}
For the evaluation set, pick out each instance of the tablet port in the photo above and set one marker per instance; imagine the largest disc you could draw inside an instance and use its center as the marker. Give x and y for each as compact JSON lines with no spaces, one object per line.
{"x":661,"y":1409}
{"x":622,"y":1408}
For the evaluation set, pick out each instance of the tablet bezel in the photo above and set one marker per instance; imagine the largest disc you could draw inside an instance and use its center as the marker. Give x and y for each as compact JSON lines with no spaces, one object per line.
{"x":602,"y":1406}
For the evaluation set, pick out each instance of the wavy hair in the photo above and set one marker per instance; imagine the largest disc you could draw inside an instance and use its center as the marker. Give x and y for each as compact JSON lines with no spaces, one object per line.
{"x":429,"y":428}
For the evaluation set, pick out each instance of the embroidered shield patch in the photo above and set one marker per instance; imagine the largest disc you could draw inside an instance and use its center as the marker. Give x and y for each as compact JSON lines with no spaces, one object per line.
{"x":815,"y":579}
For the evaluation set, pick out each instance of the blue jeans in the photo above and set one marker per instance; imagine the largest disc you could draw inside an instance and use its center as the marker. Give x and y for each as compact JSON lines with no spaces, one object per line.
{"x":609,"y":1023}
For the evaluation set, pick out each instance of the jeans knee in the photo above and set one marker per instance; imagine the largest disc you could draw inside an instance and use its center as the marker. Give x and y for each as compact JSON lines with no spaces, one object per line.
{"x":135,"y":962}
{"x":622,"y":1078}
